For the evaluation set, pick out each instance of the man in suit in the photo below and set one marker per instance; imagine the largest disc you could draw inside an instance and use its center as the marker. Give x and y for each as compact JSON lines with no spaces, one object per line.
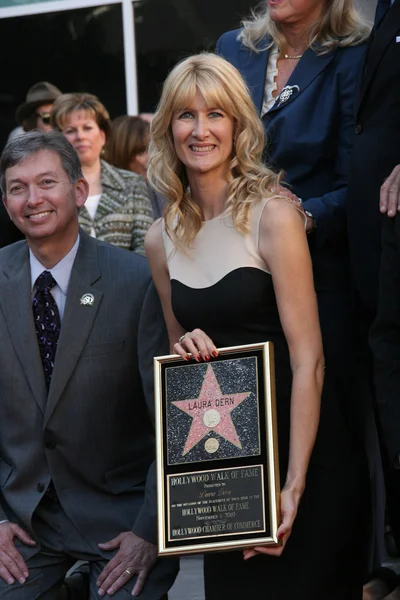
{"x":385,"y":344}
{"x":79,"y":325}
{"x":376,"y":153}
{"x":374,"y":158}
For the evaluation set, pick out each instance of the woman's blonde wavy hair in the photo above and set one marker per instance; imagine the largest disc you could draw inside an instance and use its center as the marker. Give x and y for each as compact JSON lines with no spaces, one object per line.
{"x":223,"y":87}
{"x":341,"y":25}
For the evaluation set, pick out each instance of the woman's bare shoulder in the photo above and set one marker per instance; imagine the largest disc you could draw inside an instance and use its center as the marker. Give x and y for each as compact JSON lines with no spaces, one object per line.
{"x":153,"y":240}
{"x":281,"y":212}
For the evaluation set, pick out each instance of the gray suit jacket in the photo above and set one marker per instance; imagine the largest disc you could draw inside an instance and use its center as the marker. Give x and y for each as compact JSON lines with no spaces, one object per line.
{"x":93,"y":434}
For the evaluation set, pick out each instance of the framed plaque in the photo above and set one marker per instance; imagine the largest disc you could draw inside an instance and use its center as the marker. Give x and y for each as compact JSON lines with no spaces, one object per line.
{"x":217,"y":458}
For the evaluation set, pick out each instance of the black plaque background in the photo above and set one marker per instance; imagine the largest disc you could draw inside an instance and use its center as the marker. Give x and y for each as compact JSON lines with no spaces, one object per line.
{"x":209,"y":465}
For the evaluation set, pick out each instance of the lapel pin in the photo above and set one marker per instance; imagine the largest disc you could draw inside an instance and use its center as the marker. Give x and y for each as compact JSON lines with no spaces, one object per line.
{"x":87,"y":300}
{"x":287,"y":93}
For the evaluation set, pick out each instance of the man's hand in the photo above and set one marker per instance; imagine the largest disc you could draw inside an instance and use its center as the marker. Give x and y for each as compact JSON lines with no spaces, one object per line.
{"x":134,"y":557}
{"x":390,"y":194}
{"x":12,"y":565}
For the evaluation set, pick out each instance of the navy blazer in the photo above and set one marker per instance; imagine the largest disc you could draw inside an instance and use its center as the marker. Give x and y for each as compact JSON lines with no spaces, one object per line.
{"x":376,"y":151}
{"x":309,"y":137}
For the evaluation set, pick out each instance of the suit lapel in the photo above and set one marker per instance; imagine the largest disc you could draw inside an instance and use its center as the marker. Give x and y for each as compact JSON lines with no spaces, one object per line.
{"x":78,"y":319}
{"x":253,"y":65}
{"x":16,"y":304}
{"x":307,"y":69}
{"x":360,"y":81}
{"x":113,"y":185}
{"x":379,"y":42}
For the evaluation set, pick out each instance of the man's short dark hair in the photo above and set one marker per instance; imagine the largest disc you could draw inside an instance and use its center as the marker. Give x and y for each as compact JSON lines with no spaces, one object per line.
{"x":25,"y":145}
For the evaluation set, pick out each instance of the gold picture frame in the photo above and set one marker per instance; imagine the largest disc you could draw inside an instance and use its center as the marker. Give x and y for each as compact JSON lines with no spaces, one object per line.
{"x":218,"y":484}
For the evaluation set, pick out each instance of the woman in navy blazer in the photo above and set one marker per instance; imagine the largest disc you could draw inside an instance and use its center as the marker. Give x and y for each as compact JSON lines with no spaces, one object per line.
{"x":317,"y":47}
{"x":301,"y":60}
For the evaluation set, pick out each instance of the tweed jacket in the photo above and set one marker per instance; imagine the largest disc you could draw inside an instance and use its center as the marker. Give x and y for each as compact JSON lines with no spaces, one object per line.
{"x":124,"y":213}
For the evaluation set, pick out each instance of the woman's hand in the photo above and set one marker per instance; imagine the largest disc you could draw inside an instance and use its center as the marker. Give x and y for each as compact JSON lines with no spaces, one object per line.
{"x":290,"y":499}
{"x":195,"y":344}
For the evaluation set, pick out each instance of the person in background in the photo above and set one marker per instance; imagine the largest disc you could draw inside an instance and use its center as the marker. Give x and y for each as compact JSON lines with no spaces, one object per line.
{"x":300,"y":59}
{"x":118,"y":209}
{"x":34,"y":113}
{"x":127,"y":144}
{"x":373,"y":190}
{"x":127,"y":148}
{"x":374,"y":177}
{"x":385,"y":344}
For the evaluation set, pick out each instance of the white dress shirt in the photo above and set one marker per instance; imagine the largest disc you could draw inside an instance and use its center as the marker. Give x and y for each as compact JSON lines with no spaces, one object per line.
{"x":270,"y":80}
{"x":61,"y":273}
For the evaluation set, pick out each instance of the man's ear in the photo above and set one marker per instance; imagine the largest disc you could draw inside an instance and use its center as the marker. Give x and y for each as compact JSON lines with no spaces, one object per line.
{"x":81,"y":192}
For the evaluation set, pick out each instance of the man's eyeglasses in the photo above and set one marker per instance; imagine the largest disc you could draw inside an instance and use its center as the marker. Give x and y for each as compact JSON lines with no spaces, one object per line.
{"x":45,"y":118}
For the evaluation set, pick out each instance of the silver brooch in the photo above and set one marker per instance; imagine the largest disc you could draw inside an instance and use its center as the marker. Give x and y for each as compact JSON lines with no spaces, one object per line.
{"x":287,"y":92}
{"x":87,"y":300}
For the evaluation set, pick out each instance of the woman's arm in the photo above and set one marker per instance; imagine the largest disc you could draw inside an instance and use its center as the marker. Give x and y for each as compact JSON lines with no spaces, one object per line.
{"x":196,"y":344}
{"x":283,"y":246}
{"x":329,"y":210}
{"x":155,"y":252}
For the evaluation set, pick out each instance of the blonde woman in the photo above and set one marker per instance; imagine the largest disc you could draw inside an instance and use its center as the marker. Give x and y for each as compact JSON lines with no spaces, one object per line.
{"x":301,"y":60}
{"x":118,"y":208}
{"x":231,"y":264}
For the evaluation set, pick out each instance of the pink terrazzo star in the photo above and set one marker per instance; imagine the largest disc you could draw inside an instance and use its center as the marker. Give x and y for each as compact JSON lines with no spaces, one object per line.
{"x":211,"y":411}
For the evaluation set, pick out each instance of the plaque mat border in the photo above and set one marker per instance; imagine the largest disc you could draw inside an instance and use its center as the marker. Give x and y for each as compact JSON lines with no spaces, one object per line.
{"x":272,"y":473}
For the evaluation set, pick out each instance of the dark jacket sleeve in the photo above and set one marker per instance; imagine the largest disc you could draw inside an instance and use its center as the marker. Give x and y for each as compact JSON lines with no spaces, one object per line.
{"x":385,"y":337}
{"x":329,"y":210}
{"x":228,"y":46}
{"x":152,"y":341}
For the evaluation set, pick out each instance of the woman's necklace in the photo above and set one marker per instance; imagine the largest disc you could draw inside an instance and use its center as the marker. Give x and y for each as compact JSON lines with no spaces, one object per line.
{"x":294,"y":57}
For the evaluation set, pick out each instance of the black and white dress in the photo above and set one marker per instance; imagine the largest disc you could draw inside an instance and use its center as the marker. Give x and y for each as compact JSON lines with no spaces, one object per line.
{"x":222,"y":285}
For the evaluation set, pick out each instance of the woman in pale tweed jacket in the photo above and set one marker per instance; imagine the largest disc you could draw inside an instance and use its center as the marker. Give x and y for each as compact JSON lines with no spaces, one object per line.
{"x":118,"y":209}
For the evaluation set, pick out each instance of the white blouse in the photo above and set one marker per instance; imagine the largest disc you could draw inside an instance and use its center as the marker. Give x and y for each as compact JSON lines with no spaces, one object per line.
{"x":91,"y":204}
{"x":270,"y":80}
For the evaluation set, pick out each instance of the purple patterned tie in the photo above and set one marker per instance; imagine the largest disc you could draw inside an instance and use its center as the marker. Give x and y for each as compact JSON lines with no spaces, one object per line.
{"x":47,"y":322}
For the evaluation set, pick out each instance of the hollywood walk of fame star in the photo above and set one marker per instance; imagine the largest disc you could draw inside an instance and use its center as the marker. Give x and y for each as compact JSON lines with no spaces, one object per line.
{"x":211,"y":411}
